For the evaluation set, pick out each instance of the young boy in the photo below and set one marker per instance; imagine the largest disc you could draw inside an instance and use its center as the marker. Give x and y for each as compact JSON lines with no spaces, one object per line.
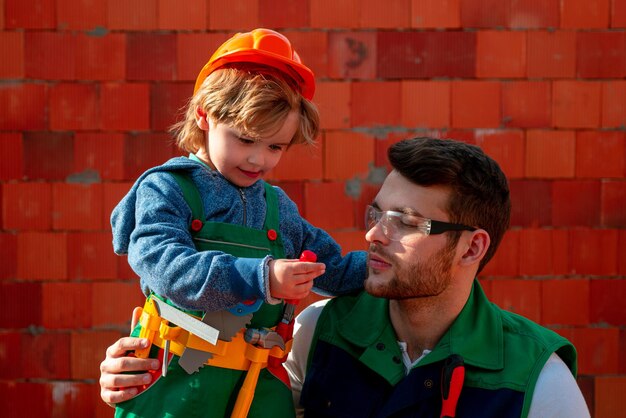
{"x":209,"y":237}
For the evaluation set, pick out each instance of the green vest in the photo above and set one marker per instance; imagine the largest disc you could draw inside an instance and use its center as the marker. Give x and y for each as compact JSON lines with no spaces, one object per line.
{"x":212,"y":391}
{"x":355,"y":348}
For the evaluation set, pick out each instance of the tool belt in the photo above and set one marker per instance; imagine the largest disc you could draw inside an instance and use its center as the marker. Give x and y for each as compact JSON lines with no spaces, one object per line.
{"x":236,"y":354}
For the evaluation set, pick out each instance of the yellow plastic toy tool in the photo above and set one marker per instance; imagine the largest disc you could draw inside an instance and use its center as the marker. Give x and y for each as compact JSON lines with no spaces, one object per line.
{"x":149,"y":326}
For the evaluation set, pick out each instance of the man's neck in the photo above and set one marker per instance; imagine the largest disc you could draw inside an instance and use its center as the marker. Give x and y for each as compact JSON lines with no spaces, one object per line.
{"x":421,"y":322}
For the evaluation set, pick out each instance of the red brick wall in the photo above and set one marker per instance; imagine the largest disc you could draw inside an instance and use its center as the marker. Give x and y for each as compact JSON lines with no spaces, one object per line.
{"x":88,"y":89}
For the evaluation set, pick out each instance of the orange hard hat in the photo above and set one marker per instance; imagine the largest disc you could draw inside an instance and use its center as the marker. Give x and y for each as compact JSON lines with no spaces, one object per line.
{"x":261,"y":46}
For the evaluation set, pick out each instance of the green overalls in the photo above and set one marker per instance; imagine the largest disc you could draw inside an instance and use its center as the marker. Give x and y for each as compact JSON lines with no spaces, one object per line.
{"x":212,"y":391}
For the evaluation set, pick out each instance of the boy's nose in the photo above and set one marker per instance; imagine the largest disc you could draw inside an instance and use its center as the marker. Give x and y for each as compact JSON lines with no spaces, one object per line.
{"x":255,"y":158}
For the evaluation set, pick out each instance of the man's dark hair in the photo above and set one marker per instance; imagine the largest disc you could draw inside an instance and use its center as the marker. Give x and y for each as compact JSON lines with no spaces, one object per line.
{"x":479,"y":191}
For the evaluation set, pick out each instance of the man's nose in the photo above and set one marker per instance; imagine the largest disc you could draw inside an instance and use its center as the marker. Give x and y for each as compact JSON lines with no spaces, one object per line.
{"x":376,"y":234}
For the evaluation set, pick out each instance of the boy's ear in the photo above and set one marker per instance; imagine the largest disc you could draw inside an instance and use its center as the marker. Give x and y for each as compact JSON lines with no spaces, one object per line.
{"x":201,"y":119}
{"x":476,"y":247}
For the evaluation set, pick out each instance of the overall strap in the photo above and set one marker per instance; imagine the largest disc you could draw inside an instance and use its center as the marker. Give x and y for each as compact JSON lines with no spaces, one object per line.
{"x":271,"y":199}
{"x":190,"y":193}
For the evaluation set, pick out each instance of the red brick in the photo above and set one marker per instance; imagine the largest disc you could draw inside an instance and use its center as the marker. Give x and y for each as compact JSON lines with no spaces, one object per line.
{"x":90,"y":256}
{"x":506,"y":260}
{"x":333,"y":102}
{"x":506,"y":147}
{"x":550,"y":154}
{"x":484,"y":13}
{"x":74,"y":107}
{"x":613,"y":104}
{"x":20,"y":305}
{"x":618,"y":14}
{"x":36,"y":14}
{"x":596,"y":347}
{"x":81,"y":14}
{"x":551,"y":54}
{"x":236,"y":14}
{"x":338,"y":212}
{"x":124,"y":271}
{"x":88,"y":350}
{"x":10,"y":353}
{"x":622,"y":351}
{"x":376,"y":103}
{"x":527,"y":104}
{"x":295,"y":191}
{"x":610,"y":392}
{"x":300,"y":162}
{"x":425,"y":104}
{"x":613,"y":204}
{"x":48,"y":155}
{"x":50,"y":55}
{"x":600,"y":154}
{"x":594,"y":251}
{"x":12,"y":51}
{"x":561,"y":251}
{"x":193,"y":50}
{"x":352,"y":55}
{"x":92,"y":51}
{"x":41,"y":256}
{"x":500,"y":54}
{"x":145,"y":151}
{"x":535,"y":252}
{"x":125,"y":106}
{"x":426,"y":54}
{"x":534,"y":14}
{"x":155,"y":63}
{"x":601,"y":54}
{"x":117,"y":301}
{"x":350,"y":240}
{"x":312,"y":47}
{"x":167,"y":104}
{"x":77,"y":206}
{"x":576,"y":104}
{"x":520,"y":296}
{"x":335,"y":14}
{"x":284,"y":13}
{"x":368,"y":191}
{"x":607,"y":301}
{"x":138,"y":15}
{"x":565,"y":302}
{"x":74,"y":399}
{"x":27,"y":206}
{"x":576,"y":203}
{"x":24,"y":399}
{"x":23,"y":106}
{"x":48,"y":356}
{"x":584,"y":14}
{"x":476,"y":104}
{"x":435,"y":14}
{"x":387,"y":15}
{"x":99,"y":154}
{"x":8,"y":248}
{"x":112,"y":194}
{"x":621,"y":248}
{"x":381,"y":146}
{"x":66,"y":305}
{"x":340,"y":144}
{"x":11,"y":156}
{"x":193,"y":16}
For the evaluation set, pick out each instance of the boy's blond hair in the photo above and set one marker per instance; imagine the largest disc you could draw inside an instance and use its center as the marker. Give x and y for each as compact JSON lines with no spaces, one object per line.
{"x":255,"y":102}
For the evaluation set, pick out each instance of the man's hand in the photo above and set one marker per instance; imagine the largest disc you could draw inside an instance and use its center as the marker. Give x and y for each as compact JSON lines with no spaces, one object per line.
{"x":293,"y":279}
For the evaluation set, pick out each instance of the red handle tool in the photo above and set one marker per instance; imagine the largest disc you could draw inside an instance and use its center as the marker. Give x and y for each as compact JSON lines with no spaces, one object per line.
{"x":452,"y":377}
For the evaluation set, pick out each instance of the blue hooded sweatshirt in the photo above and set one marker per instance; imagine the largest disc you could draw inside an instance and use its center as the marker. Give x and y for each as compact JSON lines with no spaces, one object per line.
{"x":151,"y":226}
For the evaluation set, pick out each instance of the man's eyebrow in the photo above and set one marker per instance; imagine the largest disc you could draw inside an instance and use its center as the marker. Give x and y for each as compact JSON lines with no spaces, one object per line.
{"x":405,"y":210}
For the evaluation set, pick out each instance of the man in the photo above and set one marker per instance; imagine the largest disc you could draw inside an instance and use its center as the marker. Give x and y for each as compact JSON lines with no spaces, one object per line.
{"x":422,"y":339}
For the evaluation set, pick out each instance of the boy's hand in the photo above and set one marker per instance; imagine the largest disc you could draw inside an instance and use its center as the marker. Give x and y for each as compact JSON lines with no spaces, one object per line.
{"x":115,"y":386}
{"x":293,"y":279}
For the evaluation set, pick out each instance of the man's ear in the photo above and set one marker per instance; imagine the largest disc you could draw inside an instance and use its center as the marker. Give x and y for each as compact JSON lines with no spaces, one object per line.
{"x":476,"y":247}
{"x":201,"y":119}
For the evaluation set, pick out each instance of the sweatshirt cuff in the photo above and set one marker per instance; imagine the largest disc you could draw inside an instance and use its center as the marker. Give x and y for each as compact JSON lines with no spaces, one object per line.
{"x":265,"y":265}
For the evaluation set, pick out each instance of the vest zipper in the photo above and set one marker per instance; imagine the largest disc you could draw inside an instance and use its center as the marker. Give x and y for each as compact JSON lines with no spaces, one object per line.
{"x":210,"y":241}
{"x":243,"y":200}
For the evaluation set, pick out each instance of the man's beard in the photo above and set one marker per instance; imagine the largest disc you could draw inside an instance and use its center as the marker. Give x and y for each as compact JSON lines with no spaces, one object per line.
{"x":416,"y":280}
